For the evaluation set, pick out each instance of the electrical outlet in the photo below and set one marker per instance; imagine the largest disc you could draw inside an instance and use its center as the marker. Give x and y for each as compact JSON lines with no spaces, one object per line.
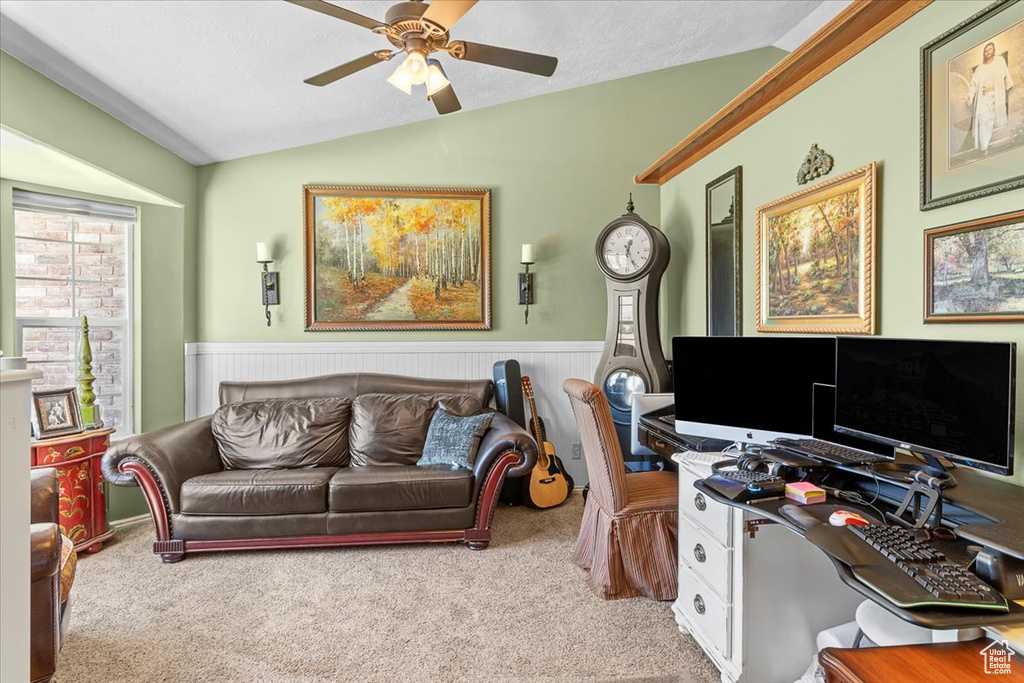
{"x":577,"y":451}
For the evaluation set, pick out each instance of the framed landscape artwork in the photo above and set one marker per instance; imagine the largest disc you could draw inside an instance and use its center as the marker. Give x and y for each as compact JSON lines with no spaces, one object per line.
{"x":974,"y":271}
{"x":384,"y":258}
{"x":815,"y":256}
{"x":972,"y":107}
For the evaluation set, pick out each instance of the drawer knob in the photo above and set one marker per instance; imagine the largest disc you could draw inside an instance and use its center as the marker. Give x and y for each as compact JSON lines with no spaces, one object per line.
{"x":698,"y":552}
{"x":698,"y":604}
{"x":699,"y":501}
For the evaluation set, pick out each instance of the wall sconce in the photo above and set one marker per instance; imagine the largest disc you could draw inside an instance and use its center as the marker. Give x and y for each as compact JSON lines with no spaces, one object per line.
{"x":526,"y":281}
{"x":269,"y":280}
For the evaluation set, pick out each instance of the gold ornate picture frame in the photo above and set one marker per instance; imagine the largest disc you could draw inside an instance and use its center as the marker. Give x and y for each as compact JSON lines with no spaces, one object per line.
{"x":815,"y":258}
{"x":397,"y":258}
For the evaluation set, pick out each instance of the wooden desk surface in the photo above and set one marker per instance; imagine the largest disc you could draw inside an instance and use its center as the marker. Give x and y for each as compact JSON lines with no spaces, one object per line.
{"x":958,"y":662}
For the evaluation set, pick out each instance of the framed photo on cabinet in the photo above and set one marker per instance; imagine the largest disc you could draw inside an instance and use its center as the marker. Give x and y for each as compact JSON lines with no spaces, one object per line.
{"x":388,"y":258}
{"x":974,"y":271}
{"x":815,"y":258}
{"x":55,"y":412}
{"x":972,"y":108}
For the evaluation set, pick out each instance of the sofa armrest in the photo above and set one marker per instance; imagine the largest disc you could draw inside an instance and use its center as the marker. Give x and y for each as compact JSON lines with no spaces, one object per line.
{"x":172,"y":455}
{"x":45,"y":550}
{"x":502,"y":436}
{"x":45,"y":496}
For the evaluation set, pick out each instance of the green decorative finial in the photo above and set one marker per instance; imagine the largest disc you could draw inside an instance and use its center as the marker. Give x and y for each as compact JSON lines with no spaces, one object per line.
{"x":86,"y":396}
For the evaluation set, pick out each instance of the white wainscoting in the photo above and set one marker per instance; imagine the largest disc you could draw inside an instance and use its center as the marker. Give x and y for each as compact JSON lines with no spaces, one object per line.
{"x":207,"y":364}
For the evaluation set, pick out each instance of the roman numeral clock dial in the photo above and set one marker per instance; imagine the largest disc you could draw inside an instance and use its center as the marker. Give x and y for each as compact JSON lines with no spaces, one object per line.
{"x":632,"y":255}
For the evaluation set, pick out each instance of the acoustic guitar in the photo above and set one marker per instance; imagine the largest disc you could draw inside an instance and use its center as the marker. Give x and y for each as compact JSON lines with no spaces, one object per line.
{"x":548,"y":484}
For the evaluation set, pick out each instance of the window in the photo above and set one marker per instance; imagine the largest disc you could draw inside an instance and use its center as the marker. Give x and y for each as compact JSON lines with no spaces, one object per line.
{"x":73,"y":258}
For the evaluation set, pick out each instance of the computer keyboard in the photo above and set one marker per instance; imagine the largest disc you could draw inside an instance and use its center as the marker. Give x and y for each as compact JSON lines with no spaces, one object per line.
{"x":933,"y":581}
{"x":750,"y":477}
{"x":705,"y":458}
{"x":831,"y":452}
{"x":897,"y":543}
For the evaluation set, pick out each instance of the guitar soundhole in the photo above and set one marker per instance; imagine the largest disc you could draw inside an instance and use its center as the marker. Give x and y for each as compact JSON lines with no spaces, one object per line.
{"x":698,"y":604}
{"x":698,"y":552}
{"x":548,"y":480}
{"x":699,"y":501}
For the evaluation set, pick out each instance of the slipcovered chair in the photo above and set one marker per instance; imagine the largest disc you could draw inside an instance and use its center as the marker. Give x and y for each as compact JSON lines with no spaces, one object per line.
{"x":53,"y":572}
{"x":627,"y":541}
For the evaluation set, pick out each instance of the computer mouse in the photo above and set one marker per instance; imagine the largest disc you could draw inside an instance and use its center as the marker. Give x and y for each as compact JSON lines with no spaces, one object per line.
{"x":847,"y":518}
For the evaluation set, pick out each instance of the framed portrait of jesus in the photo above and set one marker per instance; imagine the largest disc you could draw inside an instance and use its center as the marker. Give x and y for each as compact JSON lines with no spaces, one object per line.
{"x":972,"y":107}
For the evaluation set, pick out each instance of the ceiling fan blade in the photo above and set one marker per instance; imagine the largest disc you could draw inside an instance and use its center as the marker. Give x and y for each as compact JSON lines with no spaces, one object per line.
{"x":445,"y":101}
{"x":445,"y":13}
{"x":337,"y":12}
{"x":542,"y":65}
{"x":348,"y":68}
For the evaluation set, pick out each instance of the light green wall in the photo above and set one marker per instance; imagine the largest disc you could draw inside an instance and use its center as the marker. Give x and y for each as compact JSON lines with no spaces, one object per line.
{"x":38,"y":108}
{"x":867,"y":110}
{"x":560,"y":167}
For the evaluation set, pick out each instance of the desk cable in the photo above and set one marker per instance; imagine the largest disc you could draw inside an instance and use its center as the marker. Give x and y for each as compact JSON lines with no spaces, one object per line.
{"x":854,"y":497}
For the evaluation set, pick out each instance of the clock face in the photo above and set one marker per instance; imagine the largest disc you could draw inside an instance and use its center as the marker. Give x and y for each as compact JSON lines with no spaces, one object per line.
{"x":626,"y":249}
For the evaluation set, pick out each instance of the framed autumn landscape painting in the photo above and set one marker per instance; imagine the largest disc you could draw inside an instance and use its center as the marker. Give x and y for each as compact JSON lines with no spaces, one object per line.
{"x":384,"y":258}
{"x":974,"y":271}
{"x":815,"y":262}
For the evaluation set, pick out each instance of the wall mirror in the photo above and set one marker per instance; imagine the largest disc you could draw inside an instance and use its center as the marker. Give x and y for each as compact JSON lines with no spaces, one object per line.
{"x":724,"y":216}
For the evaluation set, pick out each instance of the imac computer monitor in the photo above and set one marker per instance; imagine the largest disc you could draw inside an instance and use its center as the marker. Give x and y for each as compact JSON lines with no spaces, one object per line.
{"x":749,"y":389}
{"x":951,"y":399}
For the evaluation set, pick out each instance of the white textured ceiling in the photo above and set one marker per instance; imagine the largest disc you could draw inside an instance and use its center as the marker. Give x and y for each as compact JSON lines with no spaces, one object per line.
{"x":214,"y":80}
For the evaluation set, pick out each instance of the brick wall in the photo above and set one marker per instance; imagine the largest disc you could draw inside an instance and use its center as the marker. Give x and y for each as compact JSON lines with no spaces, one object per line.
{"x":67,"y":266}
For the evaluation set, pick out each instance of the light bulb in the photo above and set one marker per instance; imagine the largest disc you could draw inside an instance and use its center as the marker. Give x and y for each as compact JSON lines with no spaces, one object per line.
{"x":401,"y":79}
{"x":416,"y":66}
{"x":436,"y":80}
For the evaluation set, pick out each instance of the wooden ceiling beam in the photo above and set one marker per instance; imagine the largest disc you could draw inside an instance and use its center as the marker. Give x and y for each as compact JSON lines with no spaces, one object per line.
{"x":859,"y":25}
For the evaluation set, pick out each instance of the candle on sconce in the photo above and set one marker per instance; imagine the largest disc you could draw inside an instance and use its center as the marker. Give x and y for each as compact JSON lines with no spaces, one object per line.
{"x":527,"y":256}
{"x":262,"y":252}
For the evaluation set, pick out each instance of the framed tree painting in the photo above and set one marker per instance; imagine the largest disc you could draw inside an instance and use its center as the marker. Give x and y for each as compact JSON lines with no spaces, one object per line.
{"x":972,"y":107}
{"x":974,"y":271}
{"x":815,"y":256}
{"x":386,"y":258}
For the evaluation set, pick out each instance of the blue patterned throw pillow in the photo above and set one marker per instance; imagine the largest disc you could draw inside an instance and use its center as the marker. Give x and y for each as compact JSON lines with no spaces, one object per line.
{"x":453,"y":440}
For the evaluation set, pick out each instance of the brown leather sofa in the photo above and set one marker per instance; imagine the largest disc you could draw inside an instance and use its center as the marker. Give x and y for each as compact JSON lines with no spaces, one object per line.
{"x":197,"y":505}
{"x":53,"y":572}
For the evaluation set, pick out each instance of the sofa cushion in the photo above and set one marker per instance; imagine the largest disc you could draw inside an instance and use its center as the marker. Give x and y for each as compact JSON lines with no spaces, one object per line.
{"x":453,"y":440}
{"x":390,"y":429}
{"x":283,"y":434}
{"x":257,"y":492}
{"x":359,"y":489}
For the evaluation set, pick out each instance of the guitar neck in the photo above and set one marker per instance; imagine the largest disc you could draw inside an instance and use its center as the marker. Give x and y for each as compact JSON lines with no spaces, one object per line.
{"x":534,"y":417}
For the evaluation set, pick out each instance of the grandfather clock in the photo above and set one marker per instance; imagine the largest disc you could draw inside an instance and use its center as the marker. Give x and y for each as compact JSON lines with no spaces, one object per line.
{"x":633,"y":255}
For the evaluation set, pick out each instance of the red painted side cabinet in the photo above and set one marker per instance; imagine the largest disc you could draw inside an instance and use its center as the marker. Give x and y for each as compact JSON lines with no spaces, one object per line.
{"x":83,"y":503}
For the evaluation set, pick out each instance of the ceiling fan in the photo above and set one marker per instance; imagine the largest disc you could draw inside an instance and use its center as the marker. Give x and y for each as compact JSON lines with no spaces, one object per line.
{"x":418,"y":29}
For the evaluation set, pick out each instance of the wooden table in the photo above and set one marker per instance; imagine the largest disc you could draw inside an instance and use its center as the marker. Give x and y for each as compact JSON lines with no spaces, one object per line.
{"x":83,"y":502}
{"x":958,"y":662}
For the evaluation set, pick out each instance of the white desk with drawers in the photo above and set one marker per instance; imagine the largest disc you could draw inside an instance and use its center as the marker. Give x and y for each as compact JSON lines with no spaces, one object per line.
{"x":753,"y":595}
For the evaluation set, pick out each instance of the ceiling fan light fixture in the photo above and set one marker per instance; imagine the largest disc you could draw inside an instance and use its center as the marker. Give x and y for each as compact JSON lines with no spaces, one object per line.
{"x":416,"y":66}
{"x":401,"y":79}
{"x":436,"y":79}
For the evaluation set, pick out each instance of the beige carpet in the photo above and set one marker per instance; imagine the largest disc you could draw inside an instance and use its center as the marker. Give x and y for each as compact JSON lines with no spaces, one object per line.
{"x":518,"y":611}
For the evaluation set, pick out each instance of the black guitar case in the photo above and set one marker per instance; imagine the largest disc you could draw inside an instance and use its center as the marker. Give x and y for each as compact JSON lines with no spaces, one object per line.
{"x":508,"y":396}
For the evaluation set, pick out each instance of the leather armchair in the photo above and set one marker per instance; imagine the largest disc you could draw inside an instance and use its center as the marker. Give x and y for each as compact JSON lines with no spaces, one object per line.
{"x":50,"y":612}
